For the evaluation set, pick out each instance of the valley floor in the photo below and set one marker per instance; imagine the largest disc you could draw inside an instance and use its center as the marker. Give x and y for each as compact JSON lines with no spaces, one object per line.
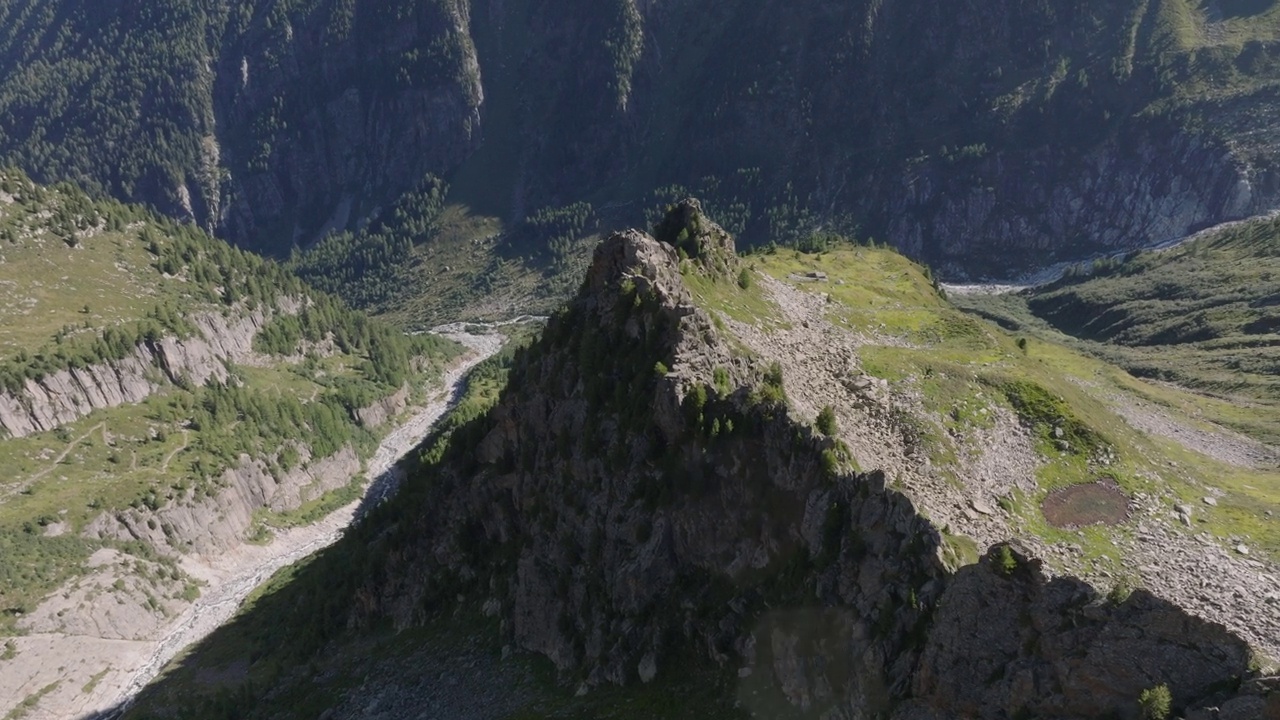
{"x":62,"y":675}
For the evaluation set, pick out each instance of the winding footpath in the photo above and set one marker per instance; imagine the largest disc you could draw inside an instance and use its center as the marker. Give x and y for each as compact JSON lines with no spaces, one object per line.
{"x":230,"y":578}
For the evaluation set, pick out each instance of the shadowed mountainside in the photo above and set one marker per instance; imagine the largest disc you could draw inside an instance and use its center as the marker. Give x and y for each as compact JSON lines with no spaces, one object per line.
{"x":640,"y":498}
{"x":982,"y":138}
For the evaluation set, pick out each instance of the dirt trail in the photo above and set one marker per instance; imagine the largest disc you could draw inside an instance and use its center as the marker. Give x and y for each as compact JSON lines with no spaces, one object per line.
{"x":123,"y":667}
{"x":62,"y":456}
{"x":186,"y":438}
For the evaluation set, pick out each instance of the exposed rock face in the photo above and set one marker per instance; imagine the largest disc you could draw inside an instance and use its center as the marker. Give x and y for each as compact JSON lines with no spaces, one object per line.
{"x":209,"y":523}
{"x":69,"y":395}
{"x":639,"y":490}
{"x":870,"y":120}
{"x":1155,"y":185}
{"x":377,"y":414}
{"x":72,"y":394}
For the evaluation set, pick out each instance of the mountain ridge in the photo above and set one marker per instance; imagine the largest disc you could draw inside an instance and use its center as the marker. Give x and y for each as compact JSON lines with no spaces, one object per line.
{"x":163,"y":396}
{"x":824,"y":590}
{"x":1138,"y":122}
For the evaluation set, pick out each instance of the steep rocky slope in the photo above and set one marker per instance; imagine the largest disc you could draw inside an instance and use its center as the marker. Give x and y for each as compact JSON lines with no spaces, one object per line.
{"x":647,"y":488}
{"x":983,"y":138}
{"x":64,"y":396}
{"x":135,"y":433}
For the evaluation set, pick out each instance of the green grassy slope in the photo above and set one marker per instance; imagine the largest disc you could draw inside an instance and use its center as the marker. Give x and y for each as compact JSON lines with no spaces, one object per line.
{"x":84,"y":283}
{"x":1204,"y":315}
{"x":960,"y":364}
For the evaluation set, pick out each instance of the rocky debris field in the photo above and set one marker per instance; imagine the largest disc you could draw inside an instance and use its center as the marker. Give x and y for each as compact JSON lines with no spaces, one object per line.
{"x":1215,"y":442}
{"x":1223,"y":584}
{"x":822,"y":366}
{"x":820,"y":361}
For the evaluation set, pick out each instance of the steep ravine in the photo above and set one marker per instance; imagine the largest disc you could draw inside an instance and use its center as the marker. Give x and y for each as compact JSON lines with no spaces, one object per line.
{"x":642,"y":490}
{"x":101,"y":655}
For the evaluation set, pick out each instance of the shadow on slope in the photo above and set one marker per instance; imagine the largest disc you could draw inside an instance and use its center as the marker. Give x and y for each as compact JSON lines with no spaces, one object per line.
{"x":640,"y":509}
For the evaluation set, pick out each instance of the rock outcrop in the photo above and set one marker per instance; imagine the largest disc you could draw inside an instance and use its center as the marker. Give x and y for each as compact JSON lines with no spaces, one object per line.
{"x":377,"y":414}
{"x":207,"y":523}
{"x":68,"y":395}
{"x":120,"y":597}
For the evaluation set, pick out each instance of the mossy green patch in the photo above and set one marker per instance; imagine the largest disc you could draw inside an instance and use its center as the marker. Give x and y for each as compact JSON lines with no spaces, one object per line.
{"x":749,"y":304}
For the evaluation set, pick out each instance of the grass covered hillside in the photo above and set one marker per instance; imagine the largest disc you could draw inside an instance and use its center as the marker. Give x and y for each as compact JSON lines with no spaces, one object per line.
{"x":951,"y":376}
{"x":1204,"y":315}
{"x":141,"y":362}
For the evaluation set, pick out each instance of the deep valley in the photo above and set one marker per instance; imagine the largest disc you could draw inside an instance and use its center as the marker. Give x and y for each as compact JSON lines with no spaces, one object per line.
{"x":831,"y":359}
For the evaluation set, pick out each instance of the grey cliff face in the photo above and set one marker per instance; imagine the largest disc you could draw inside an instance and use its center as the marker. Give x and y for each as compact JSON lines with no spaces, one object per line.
{"x":320,"y":127}
{"x":69,"y":395}
{"x":1047,"y":206}
{"x":211,"y":523}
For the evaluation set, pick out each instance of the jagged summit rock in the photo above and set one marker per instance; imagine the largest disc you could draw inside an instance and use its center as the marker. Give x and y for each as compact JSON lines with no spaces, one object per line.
{"x":688,"y":229}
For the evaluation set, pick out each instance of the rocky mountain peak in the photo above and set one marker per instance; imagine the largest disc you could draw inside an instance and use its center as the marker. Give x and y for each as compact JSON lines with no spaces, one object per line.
{"x":648,"y":490}
{"x":641,"y":488}
{"x":636,"y":262}
{"x":688,"y":229}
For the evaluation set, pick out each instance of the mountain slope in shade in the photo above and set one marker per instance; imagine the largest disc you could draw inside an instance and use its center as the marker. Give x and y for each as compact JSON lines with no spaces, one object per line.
{"x":646,"y":507}
{"x":984,"y":139}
